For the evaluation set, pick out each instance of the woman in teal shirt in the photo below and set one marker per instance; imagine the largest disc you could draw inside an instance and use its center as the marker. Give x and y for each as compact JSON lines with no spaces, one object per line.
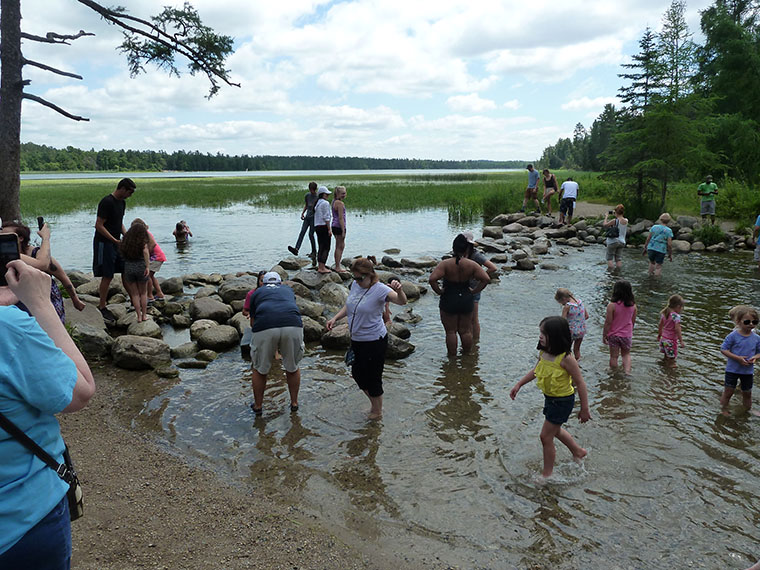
{"x":42,"y":373}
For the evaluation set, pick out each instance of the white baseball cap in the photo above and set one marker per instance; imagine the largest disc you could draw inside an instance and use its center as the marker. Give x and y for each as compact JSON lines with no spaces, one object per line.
{"x":271,"y":278}
{"x":323,"y":190}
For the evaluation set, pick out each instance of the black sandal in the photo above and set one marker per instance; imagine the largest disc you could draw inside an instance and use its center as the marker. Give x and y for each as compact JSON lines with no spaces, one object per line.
{"x":293,"y":408}
{"x":256,"y":411}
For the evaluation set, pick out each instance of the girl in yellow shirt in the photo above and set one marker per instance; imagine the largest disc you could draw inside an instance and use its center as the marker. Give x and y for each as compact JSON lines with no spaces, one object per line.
{"x":559,"y":376}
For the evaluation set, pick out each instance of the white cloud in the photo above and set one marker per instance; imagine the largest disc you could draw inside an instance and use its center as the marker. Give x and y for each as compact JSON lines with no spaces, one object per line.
{"x":512,"y":104}
{"x":472,"y":103}
{"x":584,"y":103}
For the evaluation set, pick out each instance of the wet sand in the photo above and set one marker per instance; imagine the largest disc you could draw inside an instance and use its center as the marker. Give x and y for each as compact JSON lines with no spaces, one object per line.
{"x":147,"y":508}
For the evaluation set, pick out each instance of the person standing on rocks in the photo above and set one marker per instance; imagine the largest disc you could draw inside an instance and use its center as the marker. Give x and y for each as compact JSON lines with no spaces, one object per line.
{"x":307,"y":215}
{"x":568,"y":194}
{"x":339,"y":224}
{"x":322,"y":227}
{"x":109,"y":227}
{"x":276,"y":325}
{"x":617,"y":227}
{"x":707,"y":190}
{"x":531,"y":192}
{"x":550,"y":189}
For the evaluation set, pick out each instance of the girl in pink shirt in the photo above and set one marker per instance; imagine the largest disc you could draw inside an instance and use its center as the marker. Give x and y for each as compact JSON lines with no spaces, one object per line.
{"x":618,"y":324}
{"x":669,"y":330}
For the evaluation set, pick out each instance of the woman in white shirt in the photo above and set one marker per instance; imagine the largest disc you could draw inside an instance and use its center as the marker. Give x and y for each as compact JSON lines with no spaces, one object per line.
{"x":322,"y":221}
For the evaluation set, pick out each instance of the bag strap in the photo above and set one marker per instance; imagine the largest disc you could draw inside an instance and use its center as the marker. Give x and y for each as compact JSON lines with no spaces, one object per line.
{"x":61,"y":469}
{"x":351,"y":328}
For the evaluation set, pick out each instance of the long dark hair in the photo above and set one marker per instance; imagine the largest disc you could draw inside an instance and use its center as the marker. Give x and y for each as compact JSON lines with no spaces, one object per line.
{"x":134,"y":241}
{"x":622,"y":291}
{"x":557,"y":334}
{"x":460,"y":247}
{"x":21,"y":231}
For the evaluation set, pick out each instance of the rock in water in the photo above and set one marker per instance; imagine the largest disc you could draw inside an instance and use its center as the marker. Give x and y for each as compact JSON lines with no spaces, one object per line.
{"x":219,"y":338}
{"x":140,"y":353}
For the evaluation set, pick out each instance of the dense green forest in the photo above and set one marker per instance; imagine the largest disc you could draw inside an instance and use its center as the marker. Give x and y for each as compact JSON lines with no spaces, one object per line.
{"x":687,"y":109}
{"x":40,"y":158}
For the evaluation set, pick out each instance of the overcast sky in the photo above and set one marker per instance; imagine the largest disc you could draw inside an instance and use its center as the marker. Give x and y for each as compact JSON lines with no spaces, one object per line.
{"x":441,"y":79}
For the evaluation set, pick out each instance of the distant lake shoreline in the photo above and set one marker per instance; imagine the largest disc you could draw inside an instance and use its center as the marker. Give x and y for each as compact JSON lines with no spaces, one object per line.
{"x":254,"y":173}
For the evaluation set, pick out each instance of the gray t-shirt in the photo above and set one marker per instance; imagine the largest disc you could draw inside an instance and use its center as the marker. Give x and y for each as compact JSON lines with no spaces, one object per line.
{"x":533,"y":178}
{"x":311,"y":200}
{"x":364,"y":308}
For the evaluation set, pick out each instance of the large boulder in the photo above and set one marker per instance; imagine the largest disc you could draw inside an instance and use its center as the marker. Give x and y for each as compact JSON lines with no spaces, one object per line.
{"x":399,"y":330}
{"x":315,"y":280}
{"x":209,"y":308}
{"x":681,"y":246}
{"x":310,"y":308}
{"x":525,"y":264}
{"x":140,"y":353}
{"x":640,"y":227}
{"x":172,"y":286}
{"x":78,"y":278}
{"x":147,"y":328}
{"x":687,"y":221}
{"x":93,"y":341}
{"x":412,"y":290}
{"x":388,"y":261}
{"x":504,"y":219}
{"x":491,"y":245}
{"x":398,"y":348}
{"x":199,"y":327}
{"x":219,"y":338}
{"x":419,"y":262}
{"x":312,"y":330}
{"x":338,"y":337}
{"x":717,"y":248}
{"x":299,"y":289}
{"x":89,"y":315}
{"x":513,"y":228}
{"x":181,"y":321}
{"x":333,"y":295}
{"x":236,"y":288}
{"x":697,"y":246}
{"x":205,"y":291}
{"x":240,"y":322}
{"x":580,"y":225}
{"x":492,"y":232}
{"x":294,"y":263}
{"x":185,"y":350}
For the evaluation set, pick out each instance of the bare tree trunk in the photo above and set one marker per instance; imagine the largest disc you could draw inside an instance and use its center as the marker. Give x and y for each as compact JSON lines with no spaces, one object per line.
{"x":11,"y":88}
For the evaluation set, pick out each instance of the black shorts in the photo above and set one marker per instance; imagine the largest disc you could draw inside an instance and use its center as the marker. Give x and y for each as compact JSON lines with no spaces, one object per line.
{"x":337,"y":231}
{"x":369,"y":361}
{"x":744,"y":380}
{"x":566,"y":206}
{"x":106,"y":260}
{"x":457,"y":300}
{"x":558,"y":410}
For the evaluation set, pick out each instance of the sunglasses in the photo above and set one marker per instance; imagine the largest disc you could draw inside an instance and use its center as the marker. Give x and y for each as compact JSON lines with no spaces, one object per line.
{"x":747,"y":321}
{"x":361,"y":278}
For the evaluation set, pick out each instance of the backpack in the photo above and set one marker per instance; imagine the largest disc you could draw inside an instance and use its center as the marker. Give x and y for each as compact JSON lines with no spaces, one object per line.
{"x":614,"y":231}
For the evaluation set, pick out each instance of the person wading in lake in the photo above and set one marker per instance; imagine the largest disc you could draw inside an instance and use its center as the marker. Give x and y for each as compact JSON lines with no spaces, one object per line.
{"x":457,"y":296}
{"x":109,"y":227}
{"x":322,"y":221}
{"x":307,"y":215}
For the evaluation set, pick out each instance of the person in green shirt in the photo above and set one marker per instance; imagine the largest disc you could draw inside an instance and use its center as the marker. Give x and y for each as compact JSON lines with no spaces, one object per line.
{"x":707,"y":190}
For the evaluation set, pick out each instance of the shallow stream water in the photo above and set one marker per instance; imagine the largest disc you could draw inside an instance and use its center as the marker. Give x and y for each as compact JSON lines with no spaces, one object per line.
{"x":447,"y":476}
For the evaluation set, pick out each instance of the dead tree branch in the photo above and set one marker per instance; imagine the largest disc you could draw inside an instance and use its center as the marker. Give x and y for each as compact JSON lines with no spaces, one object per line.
{"x":53,"y":106}
{"x":50,"y":69}
{"x":55,"y":38}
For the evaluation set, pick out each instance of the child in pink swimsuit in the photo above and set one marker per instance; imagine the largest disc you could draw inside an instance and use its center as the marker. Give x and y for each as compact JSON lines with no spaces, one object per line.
{"x":669,"y":330}
{"x":618,"y":324}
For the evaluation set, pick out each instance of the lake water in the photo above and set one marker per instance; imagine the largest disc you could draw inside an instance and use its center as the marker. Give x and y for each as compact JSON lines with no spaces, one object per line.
{"x":316,"y":174}
{"x":446,"y":478}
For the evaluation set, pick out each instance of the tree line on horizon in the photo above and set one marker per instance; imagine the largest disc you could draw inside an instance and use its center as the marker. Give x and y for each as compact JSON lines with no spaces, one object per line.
{"x":42,"y":158}
{"x":687,"y":110}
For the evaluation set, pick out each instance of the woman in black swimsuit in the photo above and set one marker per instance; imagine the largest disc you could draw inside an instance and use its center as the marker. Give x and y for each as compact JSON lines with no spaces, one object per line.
{"x":550,"y":189}
{"x":457,"y":302}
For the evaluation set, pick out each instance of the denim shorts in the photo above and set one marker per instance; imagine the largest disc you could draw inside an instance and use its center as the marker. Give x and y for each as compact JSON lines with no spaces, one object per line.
{"x":655,"y":256}
{"x":732,"y":379}
{"x":557,"y":410}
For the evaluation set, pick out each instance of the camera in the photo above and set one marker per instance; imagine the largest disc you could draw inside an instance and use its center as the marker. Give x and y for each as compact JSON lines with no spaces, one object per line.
{"x":611,"y":212}
{"x":8,"y":252}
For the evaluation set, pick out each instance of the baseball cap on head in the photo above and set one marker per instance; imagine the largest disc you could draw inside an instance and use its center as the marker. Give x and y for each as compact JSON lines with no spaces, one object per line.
{"x":323,"y":190}
{"x":271,"y":278}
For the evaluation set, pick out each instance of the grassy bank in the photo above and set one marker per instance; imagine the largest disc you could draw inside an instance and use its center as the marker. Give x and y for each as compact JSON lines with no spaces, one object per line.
{"x":465,"y":195}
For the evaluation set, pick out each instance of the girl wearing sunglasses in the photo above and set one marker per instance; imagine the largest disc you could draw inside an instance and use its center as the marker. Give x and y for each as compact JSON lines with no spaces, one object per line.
{"x":742,"y":349}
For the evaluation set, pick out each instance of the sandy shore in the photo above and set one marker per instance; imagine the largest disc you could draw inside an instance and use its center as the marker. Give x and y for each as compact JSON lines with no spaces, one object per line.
{"x":146,"y":508}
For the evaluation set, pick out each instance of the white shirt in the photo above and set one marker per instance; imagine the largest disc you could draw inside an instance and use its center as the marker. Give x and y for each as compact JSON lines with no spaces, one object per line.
{"x":322,"y":213}
{"x":569,"y":189}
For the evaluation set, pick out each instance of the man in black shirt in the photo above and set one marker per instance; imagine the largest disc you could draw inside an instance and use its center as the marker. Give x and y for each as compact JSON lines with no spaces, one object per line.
{"x":109,"y":227}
